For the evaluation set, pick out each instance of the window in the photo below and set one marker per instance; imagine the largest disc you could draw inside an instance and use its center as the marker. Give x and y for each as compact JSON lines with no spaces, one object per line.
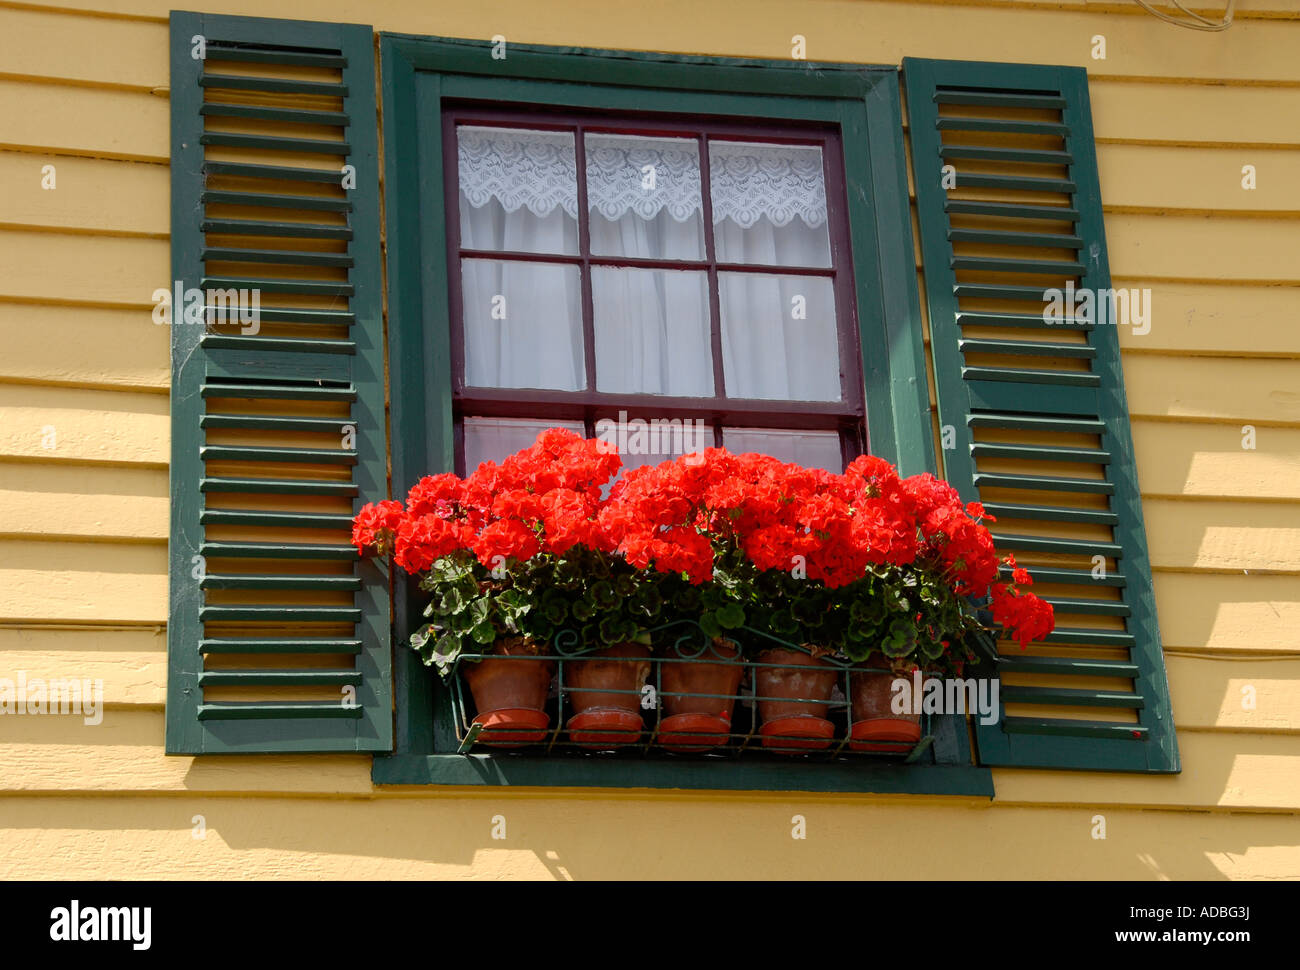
{"x":698,"y":273}
{"x":279,"y":639}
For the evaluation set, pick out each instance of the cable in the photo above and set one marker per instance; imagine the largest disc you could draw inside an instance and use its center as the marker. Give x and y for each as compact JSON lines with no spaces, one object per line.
{"x":1197,"y":22}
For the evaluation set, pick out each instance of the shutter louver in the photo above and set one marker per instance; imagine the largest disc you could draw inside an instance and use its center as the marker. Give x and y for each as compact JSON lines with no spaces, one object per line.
{"x":278,"y":637}
{"x":1038,"y":411}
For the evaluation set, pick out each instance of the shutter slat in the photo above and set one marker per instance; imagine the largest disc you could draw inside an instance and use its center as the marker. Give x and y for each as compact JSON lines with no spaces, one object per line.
{"x":222,"y":52}
{"x":278,"y":550}
{"x":1068,"y":665}
{"x":314,"y":456}
{"x":272,"y":85}
{"x":255,"y":645}
{"x":276,"y":201}
{"x":280,"y":614}
{"x":276,"y":256}
{"x":278,"y":581}
{"x":288,"y":230}
{"x":262,"y":710}
{"x":280,"y":173}
{"x":276,"y":143}
{"x":273,"y":422}
{"x":1070,"y":696}
{"x":1033,"y":414}
{"x":277,"y":486}
{"x":242,"y":678}
{"x":215,"y":109}
{"x":1001,"y":237}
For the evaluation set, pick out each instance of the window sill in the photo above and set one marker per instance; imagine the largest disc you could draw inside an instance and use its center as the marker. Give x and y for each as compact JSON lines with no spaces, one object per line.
{"x":502,"y":772}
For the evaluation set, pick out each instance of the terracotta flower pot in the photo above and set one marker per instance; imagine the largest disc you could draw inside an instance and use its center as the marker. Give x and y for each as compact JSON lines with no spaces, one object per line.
{"x":874,"y":719}
{"x":510,"y":695}
{"x":696,"y":722}
{"x":795,"y":725}
{"x":602,"y":718}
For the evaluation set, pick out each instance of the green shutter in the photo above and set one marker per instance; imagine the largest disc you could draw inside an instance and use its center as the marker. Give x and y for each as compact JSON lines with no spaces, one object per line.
{"x":278,"y":638}
{"x":1038,"y":412}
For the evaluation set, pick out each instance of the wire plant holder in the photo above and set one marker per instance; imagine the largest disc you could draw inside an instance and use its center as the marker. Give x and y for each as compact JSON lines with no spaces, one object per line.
{"x":683,"y":643}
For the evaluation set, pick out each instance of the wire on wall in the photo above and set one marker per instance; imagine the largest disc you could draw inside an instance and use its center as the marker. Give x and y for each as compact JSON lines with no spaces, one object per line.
{"x":1197,"y":22}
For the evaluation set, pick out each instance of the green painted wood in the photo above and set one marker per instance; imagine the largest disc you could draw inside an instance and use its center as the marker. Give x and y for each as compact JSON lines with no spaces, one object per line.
{"x":294,"y":115}
{"x":278,"y":678}
{"x":1028,"y":155}
{"x":273,"y":85}
{"x":222,"y":52}
{"x":291,"y":520}
{"x":277,"y":486}
{"x":278,"y":581}
{"x":281,"y":173}
{"x":1033,"y":399}
{"x":275,"y":200}
{"x":787,"y":776}
{"x":1050,"y":513}
{"x":255,"y":645}
{"x":1070,"y":696}
{"x":419,"y":75}
{"x":1068,"y":665}
{"x":1002,"y":124}
{"x":286,"y":230}
{"x":1000,"y":237}
{"x":207,"y":368}
{"x":315,"y":146}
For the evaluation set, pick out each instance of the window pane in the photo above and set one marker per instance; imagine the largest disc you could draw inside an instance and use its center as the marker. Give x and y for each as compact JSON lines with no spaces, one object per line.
{"x":518,"y":190}
{"x":811,"y":449}
{"x":493,"y":439}
{"x":779,"y":340}
{"x":652,"y":331}
{"x":644,"y":197}
{"x":769,"y":204}
{"x":523,"y":325}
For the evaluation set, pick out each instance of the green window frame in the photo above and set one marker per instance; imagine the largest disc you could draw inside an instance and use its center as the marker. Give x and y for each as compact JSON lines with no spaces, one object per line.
{"x":418,"y":75}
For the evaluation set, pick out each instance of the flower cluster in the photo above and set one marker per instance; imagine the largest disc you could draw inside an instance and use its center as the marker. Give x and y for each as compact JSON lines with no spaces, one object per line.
{"x":864,"y":528}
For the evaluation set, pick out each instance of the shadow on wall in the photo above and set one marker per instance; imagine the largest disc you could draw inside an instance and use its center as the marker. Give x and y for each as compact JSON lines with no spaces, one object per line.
{"x":576,"y":837}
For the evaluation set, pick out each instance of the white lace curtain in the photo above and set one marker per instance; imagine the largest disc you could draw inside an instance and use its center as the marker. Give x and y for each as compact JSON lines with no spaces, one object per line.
{"x":519,"y":192}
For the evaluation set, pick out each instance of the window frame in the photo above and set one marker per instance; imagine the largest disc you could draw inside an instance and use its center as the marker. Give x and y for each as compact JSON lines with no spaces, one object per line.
{"x":419,"y":75}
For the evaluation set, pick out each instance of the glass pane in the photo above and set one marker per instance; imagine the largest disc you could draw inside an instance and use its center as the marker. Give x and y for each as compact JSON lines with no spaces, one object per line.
{"x":644,"y":197}
{"x":523,"y":325}
{"x":518,"y":190}
{"x":811,"y":449}
{"x":769,"y":204}
{"x":493,"y":439}
{"x":779,"y":338}
{"x":652,"y":332}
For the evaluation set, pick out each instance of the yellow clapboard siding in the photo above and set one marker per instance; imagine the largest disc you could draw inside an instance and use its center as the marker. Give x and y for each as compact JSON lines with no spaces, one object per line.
{"x":84,"y":345}
{"x":1208,"y":460}
{"x":729,"y":837}
{"x":74,"y":424}
{"x":1200,"y":318}
{"x":82,"y":582}
{"x":48,"y":267}
{"x":1259,"y":392}
{"x":90,"y":50}
{"x":1161,"y":177}
{"x":1221,"y":769}
{"x":1194,"y":113}
{"x":866,"y":31}
{"x":125,"y":753}
{"x":74,"y":501}
{"x":137,"y":200}
{"x":1223,"y":535}
{"x":130,"y":662}
{"x":1216,"y":247}
{"x":71,"y":120}
{"x":1209,"y":694}
{"x":1232,"y":613}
